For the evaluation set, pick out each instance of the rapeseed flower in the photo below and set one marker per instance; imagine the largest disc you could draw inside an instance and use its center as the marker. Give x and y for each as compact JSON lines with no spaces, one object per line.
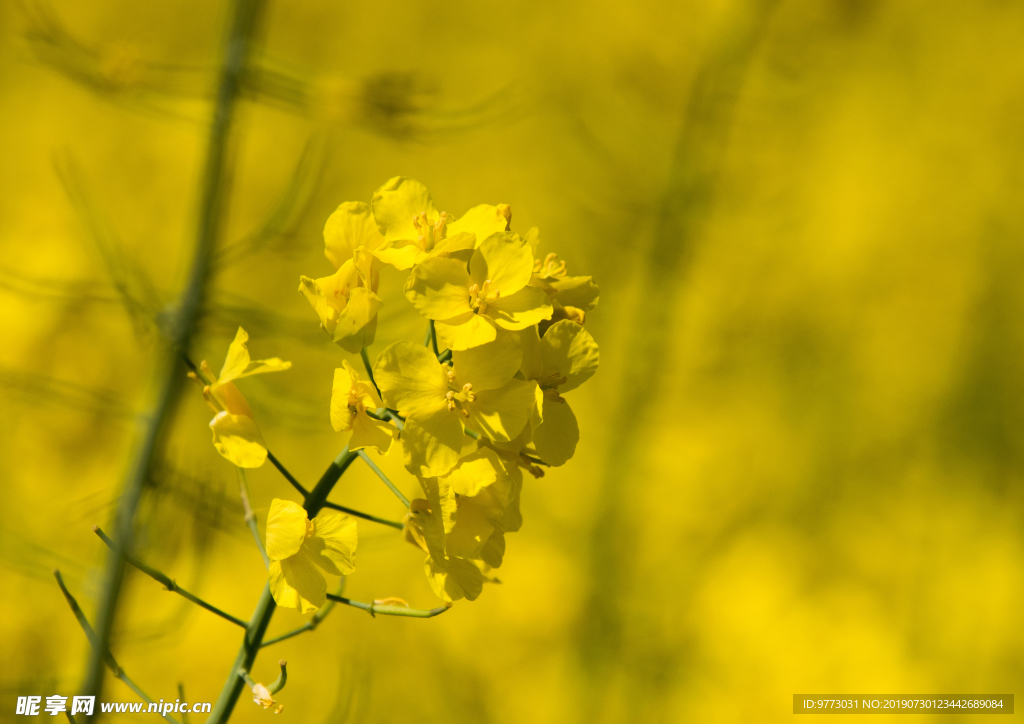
{"x":470,"y":305}
{"x":352,"y":398}
{"x":560,"y":361}
{"x":347,"y":301}
{"x":461,"y":523}
{"x":235,"y":433}
{"x":439,"y":401}
{"x":414,"y":229}
{"x":299,"y":549}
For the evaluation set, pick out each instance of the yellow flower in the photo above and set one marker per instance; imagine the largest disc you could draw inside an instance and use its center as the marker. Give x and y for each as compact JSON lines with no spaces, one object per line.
{"x":572,"y":297}
{"x":347,"y":301}
{"x":470,"y":306}
{"x":415,"y":230}
{"x":351,"y":398}
{"x":261,"y":695}
{"x":235,"y":434}
{"x":560,"y":361}
{"x":439,"y":401}
{"x":462,"y":521}
{"x":298,"y":548}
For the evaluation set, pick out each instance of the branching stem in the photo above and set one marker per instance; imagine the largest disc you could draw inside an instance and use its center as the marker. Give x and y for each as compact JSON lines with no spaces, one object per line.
{"x":169,"y":583}
{"x":389,"y":609}
{"x":105,"y":654}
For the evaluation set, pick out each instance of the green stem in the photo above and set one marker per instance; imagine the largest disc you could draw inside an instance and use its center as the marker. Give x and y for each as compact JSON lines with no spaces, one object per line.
{"x":364,"y":516}
{"x":250,"y":516}
{"x":369,"y":368}
{"x":288,"y":476}
{"x":105,"y":656}
{"x":281,"y":680}
{"x":264,"y":611}
{"x":389,"y":610}
{"x":168,"y":582}
{"x":312,"y":623}
{"x":382,"y":476}
{"x":178,"y":328}
{"x":432,"y":336}
{"x":181,"y":695}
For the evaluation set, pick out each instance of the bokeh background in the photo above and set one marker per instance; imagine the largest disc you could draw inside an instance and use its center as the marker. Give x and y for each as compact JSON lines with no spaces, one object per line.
{"x":801,"y":462}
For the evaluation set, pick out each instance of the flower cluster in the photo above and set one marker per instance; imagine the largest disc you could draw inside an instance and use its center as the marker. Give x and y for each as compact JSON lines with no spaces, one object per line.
{"x":476,"y":405}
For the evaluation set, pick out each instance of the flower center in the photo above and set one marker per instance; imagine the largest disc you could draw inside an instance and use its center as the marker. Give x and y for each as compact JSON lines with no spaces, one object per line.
{"x":550,"y":267}
{"x":353,"y":400}
{"x":480,"y":295}
{"x":429,"y":234}
{"x":457,"y":395}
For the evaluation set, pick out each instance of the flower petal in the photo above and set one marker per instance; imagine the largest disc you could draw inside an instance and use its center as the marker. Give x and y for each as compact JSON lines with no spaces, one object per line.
{"x":503,"y":259}
{"x":367,"y":432}
{"x":439,"y":288}
{"x":410,"y":377}
{"x":533,"y":358}
{"x":475,"y":472}
{"x":333,"y":543}
{"x":348,"y":228}
{"x":230,"y":398}
{"x":357,"y":323}
{"x":481,"y":221}
{"x":489,"y":366}
{"x":471,"y":531}
{"x":571,"y":352}
{"x":457,"y":579}
{"x":286,"y":528}
{"x":237,"y":438}
{"x":432,"y":441}
{"x":501,"y":414}
{"x":493,"y":550}
{"x":580,"y":292}
{"x":465,"y":332}
{"x":341,"y":414}
{"x":400,"y":257}
{"x":396,"y":203}
{"x":424,"y":521}
{"x":526,"y":307}
{"x":237,"y":359}
{"x":296,"y":583}
{"x":557,"y":434}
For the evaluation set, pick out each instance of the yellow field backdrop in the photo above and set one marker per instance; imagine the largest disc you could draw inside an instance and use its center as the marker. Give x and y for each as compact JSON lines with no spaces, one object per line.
{"x":801,"y":462}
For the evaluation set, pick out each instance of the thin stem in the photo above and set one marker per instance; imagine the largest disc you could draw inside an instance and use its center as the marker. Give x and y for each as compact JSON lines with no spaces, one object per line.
{"x":264,"y":611}
{"x":389,"y":609}
{"x":105,"y":656}
{"x":364,"y":516}
{"x":444,"y":356}
{"x":177,"y":329}
{"x":395,"y":418}
{"x":250,"y":516}
{"x":426,"y":337}
{"x":432,"y":334}
{"x":281,"y":680}
{"x":382,"y":476}
{"x":181,"y":695}
{"x":288,"y":476}
{"x":168,"y":582}
{"x":369,"y":368}
{"x":312,"y":623}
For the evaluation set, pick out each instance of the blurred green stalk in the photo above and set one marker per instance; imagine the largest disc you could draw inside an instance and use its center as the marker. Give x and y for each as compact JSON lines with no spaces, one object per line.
{"x":178,"y":326}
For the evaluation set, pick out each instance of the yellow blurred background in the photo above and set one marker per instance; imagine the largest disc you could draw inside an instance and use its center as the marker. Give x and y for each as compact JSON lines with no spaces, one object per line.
{"x":801,"y":462}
